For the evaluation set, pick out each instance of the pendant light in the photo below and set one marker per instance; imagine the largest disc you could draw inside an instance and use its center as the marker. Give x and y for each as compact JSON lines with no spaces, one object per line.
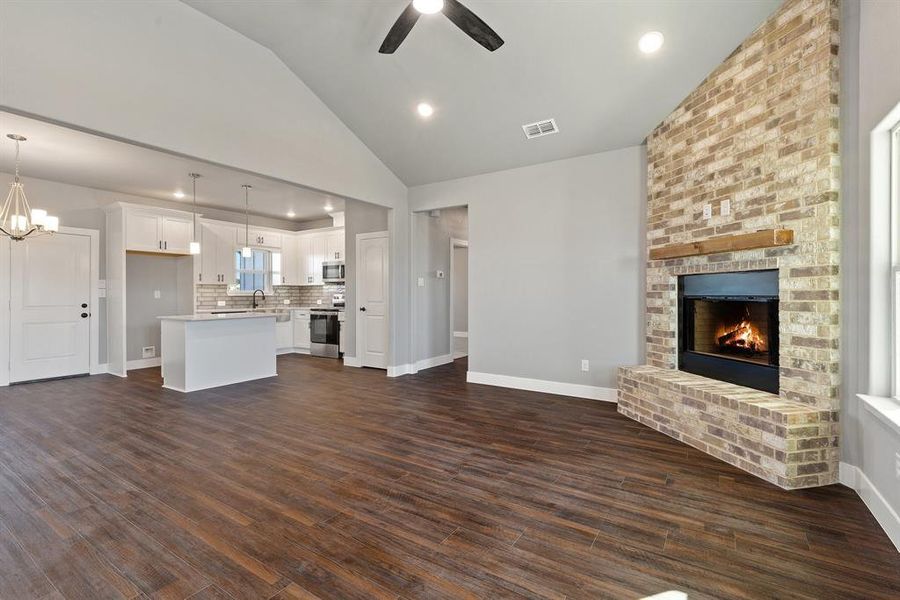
{"x":18,"y":220}
{"x":246,"y":251}
{"x":194,"y":245}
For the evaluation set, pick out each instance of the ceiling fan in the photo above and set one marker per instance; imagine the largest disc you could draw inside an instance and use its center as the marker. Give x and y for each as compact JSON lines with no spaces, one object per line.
{"x":461,"y":16}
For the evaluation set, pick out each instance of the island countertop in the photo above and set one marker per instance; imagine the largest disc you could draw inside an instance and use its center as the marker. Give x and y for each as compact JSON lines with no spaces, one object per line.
{"x":218,"y":317}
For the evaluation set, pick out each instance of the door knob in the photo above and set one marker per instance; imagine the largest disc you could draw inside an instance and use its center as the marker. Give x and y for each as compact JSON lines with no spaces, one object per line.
{"x":83,"y":305}
{"x":362,"y":309}
{"x":84,"y":315}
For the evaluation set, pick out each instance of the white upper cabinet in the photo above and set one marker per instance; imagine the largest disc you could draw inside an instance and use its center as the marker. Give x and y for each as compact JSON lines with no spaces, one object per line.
{"x":217,"y":246}
{"x":176,"y":234}
{"x":142,"y":231}
{"x":148,"y":230}
{"x":290,"y":267}
{"x":334,"y":246}
{"x":265,"y":239}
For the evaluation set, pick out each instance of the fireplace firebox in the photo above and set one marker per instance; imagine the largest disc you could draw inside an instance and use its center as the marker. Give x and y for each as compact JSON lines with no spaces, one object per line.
{"x":728,"y":327}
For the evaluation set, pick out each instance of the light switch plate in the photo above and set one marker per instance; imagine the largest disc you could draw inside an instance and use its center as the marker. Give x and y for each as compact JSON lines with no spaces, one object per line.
{"x":725,"y":207}
{"x":220,"y":303}
{"x":157,"y":294}
{"x":585,"y":365}
{"x":707,"y":211}
{"x":421,"y":282}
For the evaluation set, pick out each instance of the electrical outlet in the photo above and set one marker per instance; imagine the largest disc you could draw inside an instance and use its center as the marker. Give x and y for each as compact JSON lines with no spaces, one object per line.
{"x":707,"y":211}
{"x":157,"y":294}
{"x":585,"y":365}
{"x":319,"y":301}
{"x":220,"y":303}
{"x":148,"y":352}
{"x":725,"y":207}
{"x":286,"y":301}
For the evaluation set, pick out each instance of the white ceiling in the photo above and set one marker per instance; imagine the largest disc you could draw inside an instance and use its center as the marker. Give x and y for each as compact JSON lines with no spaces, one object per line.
{"x":79,"y":158}
{"x":576,"y":61}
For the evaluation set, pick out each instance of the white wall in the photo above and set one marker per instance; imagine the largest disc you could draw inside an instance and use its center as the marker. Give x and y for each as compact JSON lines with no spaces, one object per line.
{"x":172,"y":277}
{"x":162,"y":74}
{"x":870,"y":88}
{"x":556,"y":266}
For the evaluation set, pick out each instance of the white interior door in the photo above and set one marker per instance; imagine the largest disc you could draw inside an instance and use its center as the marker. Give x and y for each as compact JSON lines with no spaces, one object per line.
{"x":372,"y":299}
{"x":50,"y":307}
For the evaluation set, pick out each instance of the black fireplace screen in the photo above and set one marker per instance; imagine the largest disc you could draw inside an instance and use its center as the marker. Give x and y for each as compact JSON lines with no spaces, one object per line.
{"x":728,"y":327}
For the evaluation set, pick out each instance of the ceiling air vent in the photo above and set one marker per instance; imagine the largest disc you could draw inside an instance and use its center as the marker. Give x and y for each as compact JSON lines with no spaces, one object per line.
{"x":533,"y":130}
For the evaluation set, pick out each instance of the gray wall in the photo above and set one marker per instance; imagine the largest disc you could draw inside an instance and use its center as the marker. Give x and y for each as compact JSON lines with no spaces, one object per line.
{"x":556,"y":266}
{"x":870,"y":88}
{"x":359,"y":217}
{"x":171,"y":275}
{"x":460,"y":289}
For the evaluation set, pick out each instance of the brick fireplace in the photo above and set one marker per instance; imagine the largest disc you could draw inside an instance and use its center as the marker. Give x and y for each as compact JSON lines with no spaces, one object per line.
{"x":761,"y":132}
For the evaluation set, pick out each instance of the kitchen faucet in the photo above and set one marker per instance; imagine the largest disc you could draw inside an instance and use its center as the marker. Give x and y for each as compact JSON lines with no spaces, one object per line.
{"x":254,"y":297}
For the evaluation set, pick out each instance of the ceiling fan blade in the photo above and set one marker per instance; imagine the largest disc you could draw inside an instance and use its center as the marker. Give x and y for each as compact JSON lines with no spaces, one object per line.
{"x":473,"y":26}
{"x":400,"y":30}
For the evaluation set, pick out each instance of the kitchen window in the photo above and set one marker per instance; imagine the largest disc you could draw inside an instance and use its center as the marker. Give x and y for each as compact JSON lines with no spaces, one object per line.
{"x":252,"y":273}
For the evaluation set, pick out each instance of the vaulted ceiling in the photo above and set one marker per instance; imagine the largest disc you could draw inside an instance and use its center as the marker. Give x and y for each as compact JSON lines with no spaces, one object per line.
{"x":575,"y":61}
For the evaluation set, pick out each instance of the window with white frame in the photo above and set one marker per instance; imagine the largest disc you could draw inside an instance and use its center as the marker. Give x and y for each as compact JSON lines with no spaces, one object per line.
{"x":895,"y":254}
{"x":252,"y":273}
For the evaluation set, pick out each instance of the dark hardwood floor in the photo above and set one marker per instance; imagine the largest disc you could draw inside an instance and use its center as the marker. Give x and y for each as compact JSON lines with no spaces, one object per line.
{"x":340,"y":483}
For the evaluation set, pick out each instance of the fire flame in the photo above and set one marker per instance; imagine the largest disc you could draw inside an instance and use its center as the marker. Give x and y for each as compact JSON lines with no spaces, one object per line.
{"x":744,"y":336}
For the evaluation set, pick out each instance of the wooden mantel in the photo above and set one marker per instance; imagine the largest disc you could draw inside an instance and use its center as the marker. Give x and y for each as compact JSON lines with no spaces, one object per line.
{"x":764,"y":238}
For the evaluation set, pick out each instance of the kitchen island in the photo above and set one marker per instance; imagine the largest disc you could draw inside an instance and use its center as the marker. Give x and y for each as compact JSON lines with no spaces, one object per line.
{"x":204,"y":351}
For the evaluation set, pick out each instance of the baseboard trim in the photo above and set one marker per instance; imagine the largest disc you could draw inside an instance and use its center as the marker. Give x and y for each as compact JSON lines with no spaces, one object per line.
{"x":434,"y":361}
{"x":462,"y":334}
{"x":399,"y":370}
{"x":853,"y":477}
{"x":459,"y":354}
{"x":100,"y":369}
{"x":143,"y":363}
{"x":575,"y":390}
{"x":352,"y":361}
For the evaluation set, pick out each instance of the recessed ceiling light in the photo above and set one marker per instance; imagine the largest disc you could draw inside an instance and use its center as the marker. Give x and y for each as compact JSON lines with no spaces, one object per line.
{"x":179,"y":194}
{"x":328,"y":208}
{"x":291,"y":214}
{"x":428,"y":7}
{"x":425,"y":110}
{"x":650,"y":42}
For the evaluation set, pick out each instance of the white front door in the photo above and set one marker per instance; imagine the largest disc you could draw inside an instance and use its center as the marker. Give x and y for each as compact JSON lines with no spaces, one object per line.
{"x":49,"y":307}
{"x":372,"y":299}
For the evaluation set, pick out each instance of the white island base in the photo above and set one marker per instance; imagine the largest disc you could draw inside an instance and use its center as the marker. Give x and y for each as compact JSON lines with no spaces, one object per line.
{"x":206,"y":351}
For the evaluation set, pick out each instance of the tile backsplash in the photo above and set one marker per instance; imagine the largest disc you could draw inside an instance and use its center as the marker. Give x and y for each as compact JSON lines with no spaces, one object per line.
{"x":208,"y":296}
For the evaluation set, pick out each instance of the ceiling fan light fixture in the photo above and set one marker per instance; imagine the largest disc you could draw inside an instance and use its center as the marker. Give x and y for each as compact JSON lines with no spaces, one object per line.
{"x":428,"y":7}
{"x":651,"y":42}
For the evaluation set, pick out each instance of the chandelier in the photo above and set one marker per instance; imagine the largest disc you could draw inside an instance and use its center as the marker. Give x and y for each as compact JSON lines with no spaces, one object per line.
{"x":18,"y":220}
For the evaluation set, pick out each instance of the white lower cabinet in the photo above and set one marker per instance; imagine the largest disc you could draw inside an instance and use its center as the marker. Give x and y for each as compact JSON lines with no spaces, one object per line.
{"x":284,"y":335}
{"x":300,"y":319}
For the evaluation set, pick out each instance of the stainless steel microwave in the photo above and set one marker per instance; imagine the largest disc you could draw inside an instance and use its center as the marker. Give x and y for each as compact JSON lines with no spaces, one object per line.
{"x":333,"y":271}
